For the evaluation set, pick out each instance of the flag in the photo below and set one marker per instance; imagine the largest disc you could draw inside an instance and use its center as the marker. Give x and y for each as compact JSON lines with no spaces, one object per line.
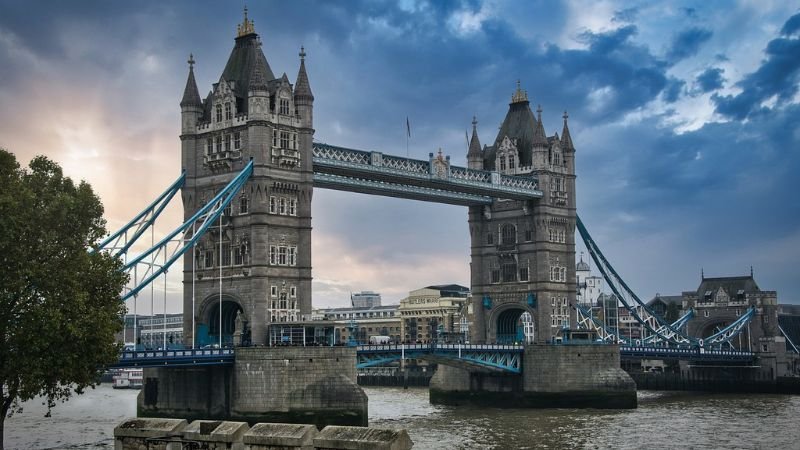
{"x":408,"y":127}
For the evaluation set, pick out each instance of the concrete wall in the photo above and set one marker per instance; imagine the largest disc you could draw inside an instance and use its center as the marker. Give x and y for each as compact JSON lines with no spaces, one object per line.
{"x":266,"y":384}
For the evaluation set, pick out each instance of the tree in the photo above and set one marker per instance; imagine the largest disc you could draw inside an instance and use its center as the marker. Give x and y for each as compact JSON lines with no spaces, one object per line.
{"x":60,"y":306}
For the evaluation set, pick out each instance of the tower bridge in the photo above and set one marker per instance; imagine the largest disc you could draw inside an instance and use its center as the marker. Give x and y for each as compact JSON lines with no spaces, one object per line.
{"x":250,"y":166}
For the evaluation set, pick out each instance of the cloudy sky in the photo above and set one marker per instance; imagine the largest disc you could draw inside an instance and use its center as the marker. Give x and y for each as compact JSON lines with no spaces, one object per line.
{"x":684,"y":115}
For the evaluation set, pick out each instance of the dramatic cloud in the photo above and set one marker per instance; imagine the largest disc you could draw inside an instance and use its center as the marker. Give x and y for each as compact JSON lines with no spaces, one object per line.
{"x":687,"y":43}
{"x":96,"y":86}
{"x":710,"y":80}
{"x":776,"y":80}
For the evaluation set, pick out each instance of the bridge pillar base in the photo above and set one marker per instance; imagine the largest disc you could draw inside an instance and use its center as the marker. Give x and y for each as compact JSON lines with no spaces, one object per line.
{"x":554,"y":376}
{"x":279,"y":384}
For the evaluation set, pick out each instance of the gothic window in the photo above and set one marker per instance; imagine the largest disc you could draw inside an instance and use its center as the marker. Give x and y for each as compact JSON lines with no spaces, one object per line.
{"x":292,"y":256}
{"x":283,"y":300}
{"x":227,"y":210}
{"x":225,"y":257}
{"x":292,"y":206}
{"x":219,"y":113}
{"x":294,"y":141}
{"x":495,"y":275}
{"x":502,"y":164}
{"x":511,"y":162}
{"x":243,"y":205}
{"x":281,"y":256}
{"x":528,"y":235}
{"x":282,"y":206}
{"x":285,"y":139}
{"x":273,"y":254}
{"x":293,"y":291}
{"x":209,"y":146}
{"x":209,"y":259}
{"x":238,"y":255}
{"x":227,"y":142}
{"x":284,"y":106}
{"x":509,"y":234}
{"x":509,"y":272}
{"x":558,"y":274}
{"x":272,"y":205}
{"x":523,"y":274}
{"x":228,"y":114}
{"x":218,"y":143}
{"x":237,"y":140}
{"x":274,"y":138}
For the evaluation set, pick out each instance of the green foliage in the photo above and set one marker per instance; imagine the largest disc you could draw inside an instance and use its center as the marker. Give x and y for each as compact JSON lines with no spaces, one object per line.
{"x":60,"y":306}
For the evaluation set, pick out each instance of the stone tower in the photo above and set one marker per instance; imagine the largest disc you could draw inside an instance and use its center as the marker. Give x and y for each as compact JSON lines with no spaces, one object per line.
{"x":259,"y":254}
{"x":523,"y":252}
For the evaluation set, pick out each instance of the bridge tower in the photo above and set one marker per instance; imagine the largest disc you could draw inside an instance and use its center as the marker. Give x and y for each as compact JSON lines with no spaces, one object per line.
{"x":257,"y":258}
{"x":523,"y":252}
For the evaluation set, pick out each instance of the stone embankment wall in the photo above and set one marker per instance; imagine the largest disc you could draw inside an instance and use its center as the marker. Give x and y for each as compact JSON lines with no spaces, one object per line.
{"x":176,"y":434}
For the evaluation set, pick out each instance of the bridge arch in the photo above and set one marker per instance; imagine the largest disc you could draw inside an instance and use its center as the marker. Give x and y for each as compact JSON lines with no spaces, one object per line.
{"x":508,"y":324}
{"x":208,"y":319}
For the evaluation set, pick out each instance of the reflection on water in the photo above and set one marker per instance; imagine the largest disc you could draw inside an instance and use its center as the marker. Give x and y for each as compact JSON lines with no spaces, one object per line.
{"x":663,"y":420}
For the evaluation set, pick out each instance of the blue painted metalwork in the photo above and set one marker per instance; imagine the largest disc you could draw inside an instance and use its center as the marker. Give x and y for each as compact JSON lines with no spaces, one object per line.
{"x":172,"y":358}
{"x":433,"y":180}
{"x":180,"y":240}
{"x":651,"y":321}
{"x":487,"y":302}
{"x":695,"y":354}
{"x":531,"y":299}
{"x":501,"y":358}
{"x":788,"y":339}
{"x":119,"y":242}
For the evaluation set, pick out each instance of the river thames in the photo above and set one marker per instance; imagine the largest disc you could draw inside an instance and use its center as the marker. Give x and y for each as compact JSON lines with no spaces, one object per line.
{"x":663,"y":420}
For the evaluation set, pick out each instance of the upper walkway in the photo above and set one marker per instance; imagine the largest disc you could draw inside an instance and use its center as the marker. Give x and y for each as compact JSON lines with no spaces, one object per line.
{"x":433,"y":180}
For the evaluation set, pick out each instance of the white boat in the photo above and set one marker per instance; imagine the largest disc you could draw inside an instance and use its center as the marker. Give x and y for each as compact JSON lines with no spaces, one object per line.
{"x":128,"y":379}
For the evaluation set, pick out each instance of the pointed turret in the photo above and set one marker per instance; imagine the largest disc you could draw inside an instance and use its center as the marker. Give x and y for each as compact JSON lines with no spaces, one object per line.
{"x":474,"y":155}
{"x":303,"y":98}
{"x":539,"y":136}
{"x":258,"y":76}
{"x":191,"y":105}
{"x":191,"y":96}
{"x":566,"y":139}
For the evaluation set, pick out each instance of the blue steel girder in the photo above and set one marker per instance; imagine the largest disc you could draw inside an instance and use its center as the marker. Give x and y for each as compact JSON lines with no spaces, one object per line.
{"x":394,"y":170}
{"x":685,"y":354}
{"x":344,"y":183}
{"x":173,"y":358}
{"x":490,"y":358}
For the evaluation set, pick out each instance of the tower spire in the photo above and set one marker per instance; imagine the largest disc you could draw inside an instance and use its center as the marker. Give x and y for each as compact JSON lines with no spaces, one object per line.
{"x":302,"y":88}
{"x":191,"y":96}
{"x":539,"y":135}
{"x":566,"y":139}
{"x":246,"y":27}
{"x":474,"y":142}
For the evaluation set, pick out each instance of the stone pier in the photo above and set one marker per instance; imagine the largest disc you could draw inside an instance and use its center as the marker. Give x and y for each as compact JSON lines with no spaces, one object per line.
{"x":554,"y":376}
{"x":313,"y":385}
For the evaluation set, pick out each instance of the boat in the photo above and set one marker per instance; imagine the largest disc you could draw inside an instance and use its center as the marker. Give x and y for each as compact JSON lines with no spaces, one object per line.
{"x":128,"y":379}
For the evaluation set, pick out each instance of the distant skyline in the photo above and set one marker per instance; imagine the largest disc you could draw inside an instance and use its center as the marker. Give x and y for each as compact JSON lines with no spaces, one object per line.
{"x":684,"y":116}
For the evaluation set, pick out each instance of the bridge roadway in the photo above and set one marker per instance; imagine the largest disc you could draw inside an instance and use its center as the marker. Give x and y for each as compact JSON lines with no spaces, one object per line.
{"x":475,"y":357}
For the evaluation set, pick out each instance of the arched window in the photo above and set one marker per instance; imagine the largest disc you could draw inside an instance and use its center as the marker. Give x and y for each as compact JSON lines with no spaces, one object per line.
{"x":219,"y":113}
{"x":509,"y":234}
{"x":243,"y":205}
{"x":511,"y":162}
{"x":228,"y":112}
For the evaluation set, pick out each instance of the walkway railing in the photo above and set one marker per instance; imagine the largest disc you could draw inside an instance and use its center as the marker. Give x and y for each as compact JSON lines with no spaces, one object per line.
{"x":187,"y":357}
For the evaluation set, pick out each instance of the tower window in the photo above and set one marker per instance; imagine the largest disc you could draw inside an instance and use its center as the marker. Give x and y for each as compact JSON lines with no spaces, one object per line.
{"x":293,"y":291}
{"x":227,"y":142}
{"x":274,"y":138}
{"x":294,"y":141}
{"x":281,"y":256}
{"x":502,"y":164}
{"x":218,"y":143}
{"x":509,"y":273}
{"x":495,"y":275}
{"x":528,"y":235}
{"x":285,"y":139}
{"x":282,"y":206}
{"x":272,"y":205}
{"x":209,"y":259}
{"x":209,"y":146}
{"x":284,"y":107}
{"x":228,"y":113}
{"x":219,"y":113}
{"x":523,"y":274}
{"x":243,"y":205}
{"x":225,"y":257}
{"x":509,"y":234}
{"x":237,"y":140}
{"x":292,"y":206}
{"x":490,"y":238}
{"x":238,"y":255}
{"x":511,"y":162}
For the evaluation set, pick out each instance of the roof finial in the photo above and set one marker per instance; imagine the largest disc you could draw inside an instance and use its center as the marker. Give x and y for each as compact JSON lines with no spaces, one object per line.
{"x":191,"y":61}
{"x":519,"y":95}
{"x":565,"y":116}
{"x":302,"y":53}
{"x":474,"y":122}
{"x":702,"y":274}
{"x":246,"y":27}
{"x":751,"y":271}
{"x":539,"y":112}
